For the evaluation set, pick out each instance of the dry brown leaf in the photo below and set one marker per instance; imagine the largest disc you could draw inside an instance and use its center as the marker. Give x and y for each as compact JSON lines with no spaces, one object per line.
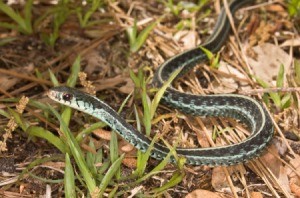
{"x":268,"y":60}
{"x":295,"y":189}
{"x":291,"y":42}
{"x":284,"y":180}
{"x":272,"y":161}
{"x":109,"y":83}
{"x":88,"y":148}
{"x":219,"y":181}
{"x":202,"y":193}
{"x":256,"y":195}
{"x":6,"y":82}
{"x":296,"y":165}
{"x":95,"y":62}
{"x":130,"y":162}
{"x":57,"y":165}
{"x":188,"y":39}
{"x":228,"y":85}
{"x":127,"y":147}
{"x":128,"y":87}
{"x":275,"y":8}
{"x":280,"y":146}
{"x":262,"y":33}
{"x":103,"y":134}
{"x":135,"y":190}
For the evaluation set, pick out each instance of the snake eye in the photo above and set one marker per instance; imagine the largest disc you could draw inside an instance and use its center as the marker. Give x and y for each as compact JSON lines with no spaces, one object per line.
{"x":67,"y":97}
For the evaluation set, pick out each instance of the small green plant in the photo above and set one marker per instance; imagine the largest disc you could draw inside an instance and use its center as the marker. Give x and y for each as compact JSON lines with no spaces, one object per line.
{"x":96,"y":179}
{"x":294,"y":12}
{"x":214,"y":59}
{"x":60,"y":14}
{"x":280,"y":100}
{"x":23,"y":20}
{"x":183,"y":5}
{"x":297,"y":72}
{"x":85,"y":16}
{"x":136,"y":41}
{"x":149,"y":108}
{"x":294,"y":8}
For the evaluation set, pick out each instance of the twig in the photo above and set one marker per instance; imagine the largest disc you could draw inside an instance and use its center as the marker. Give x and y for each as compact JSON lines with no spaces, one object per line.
{"x":269,"y":90}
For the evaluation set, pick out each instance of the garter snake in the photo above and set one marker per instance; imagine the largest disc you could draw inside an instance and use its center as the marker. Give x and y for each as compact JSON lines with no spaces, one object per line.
{"x":240,"y":107}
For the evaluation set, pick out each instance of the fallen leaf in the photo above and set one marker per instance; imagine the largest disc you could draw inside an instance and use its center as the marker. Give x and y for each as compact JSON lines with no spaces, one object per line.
{"x":275,"y":8}
{"x":130,"y":162}
{"x":295,"y":189}
{"x":135,"y":190}
{"x":268,"y":60}
{"x":271,"y":158}
{"x":188,"y":39}
{"x":7,"y":82}
{"x":109,"y":83}
{"x":128,"y":87}
{"x":219,"y":181}
{"x":296,"y":165}
{"x":95,"y":62}
{"x":291,"y":42}
{"x":103,"y":134}
{"x":127,"y":147}
{"x":202,"y":193}
{"x":227,"y":84}
{"x":256,"y":195}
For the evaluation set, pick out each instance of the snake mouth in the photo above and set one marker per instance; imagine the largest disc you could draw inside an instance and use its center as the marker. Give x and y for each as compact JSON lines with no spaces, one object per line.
{"x":51,"y":94}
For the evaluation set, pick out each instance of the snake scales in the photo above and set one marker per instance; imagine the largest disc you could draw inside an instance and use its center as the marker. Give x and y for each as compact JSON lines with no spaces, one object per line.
{"x":240,"y":107}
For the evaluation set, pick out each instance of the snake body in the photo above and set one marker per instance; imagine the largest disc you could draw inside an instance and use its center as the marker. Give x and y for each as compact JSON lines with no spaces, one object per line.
{"x":243,"y":108}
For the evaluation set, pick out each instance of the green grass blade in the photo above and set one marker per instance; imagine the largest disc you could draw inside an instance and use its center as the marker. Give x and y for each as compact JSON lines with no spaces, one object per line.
{"x":4,"y":41}
{"x":89,"y":130}
{"x":88,"y":14}
{"x":131,"y":33}
{"x":24,"y":124}
{"x":286,"y":101}
{"x":176,"y":179}
{"x":53,"y":78}
{"x":110,"y":173}
{"x":114,"y":151}
{"x":146,"y":116}
{"x":66,"y":115}
{"x":140,"y":40}
{"x":112,"y":194}
{"x":69,"y":180}
{"x":12,"y":14}
{"x":51,"y":181}
{"x":47,"y":135}
{"x":280,"y":76}
{"x":157,"y":169}
{"x":274,"y":96}
{"x":4,"y":113}
{"x":161,"y":92}
{"x":71,"y":82}
{"x":297,"y":71}
{"x":143,"y":158}
{"x":27,"y":13}
{"x":208,"y":53}
{"x":90,"y":159}
{"x":8,"y":26}
{"x":76,"y":152}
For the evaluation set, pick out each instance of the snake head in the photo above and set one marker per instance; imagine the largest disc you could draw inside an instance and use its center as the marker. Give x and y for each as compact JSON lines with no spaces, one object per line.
{"x":76,"y":99}
{"x":63,"y":95}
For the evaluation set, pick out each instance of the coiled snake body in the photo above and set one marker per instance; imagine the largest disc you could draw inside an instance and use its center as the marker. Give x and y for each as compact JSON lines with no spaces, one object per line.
{"x":240,"y":107}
